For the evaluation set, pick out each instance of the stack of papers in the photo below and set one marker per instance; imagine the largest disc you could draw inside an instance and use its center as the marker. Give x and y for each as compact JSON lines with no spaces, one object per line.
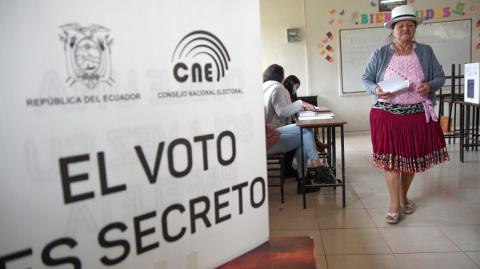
{"x":394,"y":84}
{"x":322,"y":116}
{"x":321,"y":109}
{"x":306,"y":113}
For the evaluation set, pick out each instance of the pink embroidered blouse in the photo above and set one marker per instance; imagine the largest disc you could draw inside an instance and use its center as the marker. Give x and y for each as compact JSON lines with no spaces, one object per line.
{"x":408,"y":67}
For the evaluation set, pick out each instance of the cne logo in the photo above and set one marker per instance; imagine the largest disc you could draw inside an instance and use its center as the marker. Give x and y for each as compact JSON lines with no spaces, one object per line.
{"x":192,"y":49}
{"x":87,"y":54}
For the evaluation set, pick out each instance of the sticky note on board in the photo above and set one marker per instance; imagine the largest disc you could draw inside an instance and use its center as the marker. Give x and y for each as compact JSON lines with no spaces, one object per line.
{"x":329,"y":59}
{"x":329,"y":48}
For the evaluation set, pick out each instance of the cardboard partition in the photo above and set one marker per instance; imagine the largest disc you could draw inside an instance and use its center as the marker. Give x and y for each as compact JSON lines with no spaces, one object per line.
{"x":132,"y":133}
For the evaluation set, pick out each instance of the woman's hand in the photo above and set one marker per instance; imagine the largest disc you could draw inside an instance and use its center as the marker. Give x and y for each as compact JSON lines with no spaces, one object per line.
{"x":381,"y":94}
{"x":424,"y":89}
{"x":307,"y":106}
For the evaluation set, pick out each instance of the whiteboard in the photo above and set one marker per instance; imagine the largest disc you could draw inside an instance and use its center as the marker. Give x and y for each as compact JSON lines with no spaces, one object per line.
{"x":451,"y":42}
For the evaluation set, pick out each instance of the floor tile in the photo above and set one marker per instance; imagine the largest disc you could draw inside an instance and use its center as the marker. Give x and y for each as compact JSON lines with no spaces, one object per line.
{"x":375,"y":199}
{"x":466,"y":237}
{"x":447,"y":260}
{"x":368,"y":187}
{"x":433,"y":197}
{"x":362,"y":262}
{"x":417,"y":239}
{"x":298,"y":219}
{"x":474,"y":207}
{"x":347,"y":218}
{"x":455,"y":214}
{"x":322,"y":262}
{"x":468,"y":196}
{"x":292,"y":202}
{"x":475,"y":256}
{"x":354,"y":241}
{"x":329,"y":200}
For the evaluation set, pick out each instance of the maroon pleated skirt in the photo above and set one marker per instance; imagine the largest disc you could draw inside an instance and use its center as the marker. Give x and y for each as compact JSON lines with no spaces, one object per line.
{"x":406,"y":143}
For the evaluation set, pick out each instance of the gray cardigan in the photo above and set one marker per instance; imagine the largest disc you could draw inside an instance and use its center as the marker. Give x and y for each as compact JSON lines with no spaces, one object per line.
{"x":278,"y":107}
{"x":379,"y":60}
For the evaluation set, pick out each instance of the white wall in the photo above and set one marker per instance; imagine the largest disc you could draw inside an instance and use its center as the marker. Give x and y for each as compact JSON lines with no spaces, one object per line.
{"x":318,"y":19}
{"x":276,"y":17}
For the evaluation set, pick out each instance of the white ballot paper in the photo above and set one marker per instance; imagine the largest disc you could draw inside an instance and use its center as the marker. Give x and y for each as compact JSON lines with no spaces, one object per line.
{"x":306,"y":113}
{"x":319,"y":116}
{"x":394,"y":84}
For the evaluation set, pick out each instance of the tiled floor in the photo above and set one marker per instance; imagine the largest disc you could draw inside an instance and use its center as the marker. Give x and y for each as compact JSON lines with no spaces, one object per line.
{"x":444,"y":232}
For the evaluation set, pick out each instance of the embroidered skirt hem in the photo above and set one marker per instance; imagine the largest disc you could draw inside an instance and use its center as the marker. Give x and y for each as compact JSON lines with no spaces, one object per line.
{"x":406,"y":143}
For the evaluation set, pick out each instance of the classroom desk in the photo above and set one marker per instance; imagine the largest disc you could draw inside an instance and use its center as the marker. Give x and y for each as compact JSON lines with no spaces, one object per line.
{"x":469,"y":127}
{"x":330,"y":126}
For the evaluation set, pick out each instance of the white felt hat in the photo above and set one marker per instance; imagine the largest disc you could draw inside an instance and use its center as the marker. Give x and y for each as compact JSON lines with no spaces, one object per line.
{"x":402,"y":13}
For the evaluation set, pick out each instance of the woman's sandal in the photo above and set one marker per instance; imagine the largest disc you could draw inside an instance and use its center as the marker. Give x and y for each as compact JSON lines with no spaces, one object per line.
{"x":409,"y":207}
{"x":392,"y":218}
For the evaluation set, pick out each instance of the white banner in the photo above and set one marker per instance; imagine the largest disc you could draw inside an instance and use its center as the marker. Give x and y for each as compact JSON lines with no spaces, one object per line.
{"x":132,"y":133}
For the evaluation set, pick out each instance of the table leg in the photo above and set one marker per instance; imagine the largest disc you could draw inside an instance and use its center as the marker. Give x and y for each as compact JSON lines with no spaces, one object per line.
{"x":342,"y":149}
{"x":334,"y":153}
{"x":329,"y":148}
{"x":467,"y":128}
{"x":323,"y":135}
{"x":302,"y":165}
{"x":462,"y":131}
{"x":476,"y":126}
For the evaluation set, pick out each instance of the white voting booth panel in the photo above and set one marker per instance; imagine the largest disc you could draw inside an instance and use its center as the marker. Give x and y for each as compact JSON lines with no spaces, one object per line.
{"x":472,"y":83}
{"x":132,"y":133}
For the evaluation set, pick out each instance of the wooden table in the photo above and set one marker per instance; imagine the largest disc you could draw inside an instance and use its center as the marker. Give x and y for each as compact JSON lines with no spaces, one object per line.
{"x":278,"y":253}
{"x":330,"y":125}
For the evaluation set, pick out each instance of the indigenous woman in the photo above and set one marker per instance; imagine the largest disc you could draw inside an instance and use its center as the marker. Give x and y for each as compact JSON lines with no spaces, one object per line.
{"x":406,"y":136}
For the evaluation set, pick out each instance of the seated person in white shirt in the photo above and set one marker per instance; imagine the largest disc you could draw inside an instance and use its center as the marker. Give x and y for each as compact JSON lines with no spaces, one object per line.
{"x":279,"y":110}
